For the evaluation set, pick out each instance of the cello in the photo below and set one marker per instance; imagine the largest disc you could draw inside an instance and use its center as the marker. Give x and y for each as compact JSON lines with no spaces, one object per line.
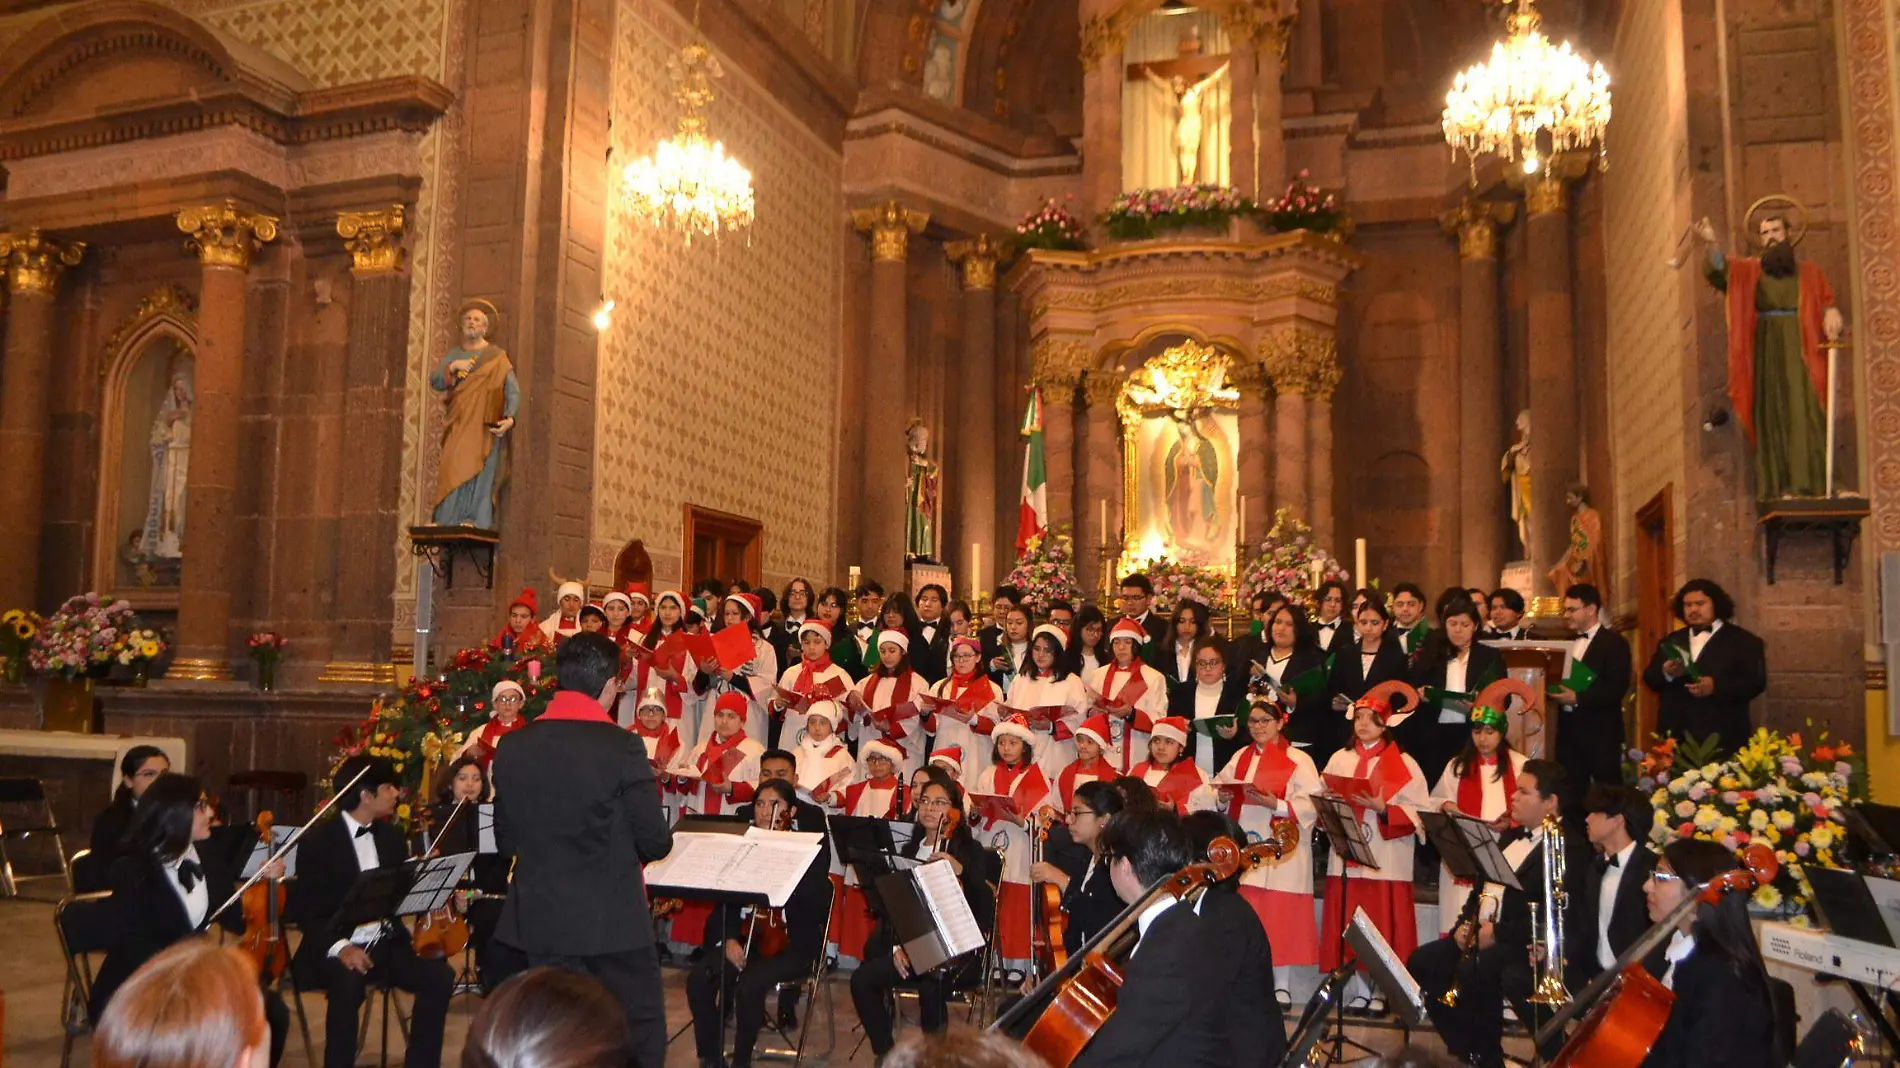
{"x":263,"y":904}
{"x":1628,"y":1007}
{"x":1087,"y":989}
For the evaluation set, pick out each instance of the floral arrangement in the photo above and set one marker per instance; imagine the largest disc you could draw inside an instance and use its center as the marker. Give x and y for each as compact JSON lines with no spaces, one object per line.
{"x":1305,"y":206}
{"x":1176,"y":582}
{"x":143,"y":645}
{"x":1045,"y":571}
{"x":1285,"y":563}
{"x":17,"y":628}
{"x":85,"y":636}
{"x":421,"y":728}
{"x":266,"y":646}
{"x":1775,"y":790}
{"x":1050,"y":226}
{"x":1147,"y":212}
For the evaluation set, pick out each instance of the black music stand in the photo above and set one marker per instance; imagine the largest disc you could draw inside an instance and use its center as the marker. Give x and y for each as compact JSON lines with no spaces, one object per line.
{"x":413,"y":888}
{"x":1469,"y":848}
{"x":1349,"y":842}
{"x":867,"y":846}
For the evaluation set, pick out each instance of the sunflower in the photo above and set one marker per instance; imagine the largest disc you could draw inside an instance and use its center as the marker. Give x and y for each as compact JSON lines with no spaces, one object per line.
{"x":149,"y":650}
{"x":12,"y":615}
{"x":24,"y":629}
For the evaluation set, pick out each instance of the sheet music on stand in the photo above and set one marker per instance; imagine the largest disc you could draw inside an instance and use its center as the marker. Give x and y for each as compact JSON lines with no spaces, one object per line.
{"x":279,"y":834}
{"x":381,"y":895}
{"x":435,"y":880}
{"x":932,"y":917}
{"x":485,"y":828}
{"x":1469,"y":848}
{"x":1386,"y":969}
{"x":758,"y":863}
{"x":1344,"y":830}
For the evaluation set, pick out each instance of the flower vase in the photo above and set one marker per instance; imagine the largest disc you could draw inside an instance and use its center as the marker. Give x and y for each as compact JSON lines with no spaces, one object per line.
{"x":67,"y":705}
{"x":141,"y":673}
{"x":266,"y":673}
{"x":12,"y":670}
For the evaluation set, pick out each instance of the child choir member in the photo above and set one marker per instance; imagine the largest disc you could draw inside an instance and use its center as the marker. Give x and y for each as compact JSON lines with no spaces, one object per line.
{"x":1092,"y":762}
{"x":878,"y":794}
{"x":1015,"y":774}
{"x":1397,"y":788}
{"x":1047,"y":682}
{"x":521,"y":635}
{"x":504,"y":717}
{"x":618,"y":608}
{"x":1479,"y":782}
{"x":714,"y":782}
{"x":886,"y":701}
{"x":825,"y":766}
{"x":753,"y":679}
{"x":1213,"y":692}
{"x":1087,"y":651}
{"x":640,"y":610}
{"x":565,"y":621}
{"x":814,"y":668}
{"x":675,"y":679}
{"x":1281,"y":893}
{"x":968,"y":728}
{"x":1450,"y":660}
{"x":593,"y":619}
{"x":662,"y":741}
{"x":1372,"y":658}
{"x":1130,"y":692}
{"x":1174,"y":778}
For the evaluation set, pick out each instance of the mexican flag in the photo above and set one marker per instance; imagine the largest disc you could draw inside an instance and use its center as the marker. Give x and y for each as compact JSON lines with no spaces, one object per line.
{"x":1033,"y":518}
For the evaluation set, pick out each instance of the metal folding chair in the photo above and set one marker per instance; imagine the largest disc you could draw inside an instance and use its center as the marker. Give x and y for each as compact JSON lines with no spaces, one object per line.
{"x":811,"y":989}
{"x":25,"y":812}
{"x":84,"y":930}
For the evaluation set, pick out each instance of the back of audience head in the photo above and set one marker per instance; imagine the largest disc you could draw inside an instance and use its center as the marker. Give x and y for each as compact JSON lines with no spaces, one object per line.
{"x":194,"y":1005}
{"x":960,"y":1047}
{"x":548,"y":1018}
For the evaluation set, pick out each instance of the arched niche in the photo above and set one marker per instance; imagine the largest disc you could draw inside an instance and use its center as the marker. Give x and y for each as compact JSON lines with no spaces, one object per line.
{"x":148,"y":384}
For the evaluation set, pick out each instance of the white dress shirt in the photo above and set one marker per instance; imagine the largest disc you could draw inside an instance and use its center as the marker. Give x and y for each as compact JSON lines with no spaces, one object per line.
{"x":1328,"y":631}
{"x":1581,"y":644}
{"x":1681,"y":948}
{"x":1606,"y":902}
{"x":1453,"y":712}
{"x":930,"y":632}
{"x":1150,"y":915}
{"x":366,"y":934}
{"x":197,"y":900}
{"x":1698,"y":641}
{"x":1206,"y":706}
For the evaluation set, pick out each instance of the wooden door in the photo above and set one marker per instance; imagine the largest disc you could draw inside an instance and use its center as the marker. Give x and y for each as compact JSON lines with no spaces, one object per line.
{"x":722,"y":545}
{"x":1655,"y":584}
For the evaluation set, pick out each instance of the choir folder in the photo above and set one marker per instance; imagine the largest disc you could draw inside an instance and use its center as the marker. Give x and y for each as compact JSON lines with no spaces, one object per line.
{"x":933,"y":920}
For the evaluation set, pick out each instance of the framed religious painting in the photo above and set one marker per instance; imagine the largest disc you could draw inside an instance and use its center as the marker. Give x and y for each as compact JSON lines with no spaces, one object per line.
{"x":1180,"y":440}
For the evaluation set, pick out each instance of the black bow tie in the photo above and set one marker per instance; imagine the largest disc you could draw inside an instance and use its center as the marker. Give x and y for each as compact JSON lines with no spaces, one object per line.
{"x":1606,"y":863}
{"x":1329,"y":626}
{"x":1705,"y":628}
{"x":363,"y":830}
{"x":188,"y":874}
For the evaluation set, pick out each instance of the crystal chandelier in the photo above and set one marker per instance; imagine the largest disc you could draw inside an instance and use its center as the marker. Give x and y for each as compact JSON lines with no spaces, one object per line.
{"x":689,"y":183}
{"x":1528,"y":87}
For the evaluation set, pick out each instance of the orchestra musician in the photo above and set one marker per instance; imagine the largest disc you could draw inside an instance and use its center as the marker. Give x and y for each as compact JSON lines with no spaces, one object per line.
{"x":465,"y":783}
{"x":752,"y":949}
{"x":808,"y":817}
{"x":1256,"y":1028}
{"x":163,"y":890}
{"x":1171,"y":1012}
{"x":1131,"y":691}
{"x":1479,"y":782}
{"x":1490,"y":961}
{"x":1088,"y":895}
{"x":340,"y":960}
{"x":885,"y":964}
{"x":1614,"y":911}
{"x":139,"y":767}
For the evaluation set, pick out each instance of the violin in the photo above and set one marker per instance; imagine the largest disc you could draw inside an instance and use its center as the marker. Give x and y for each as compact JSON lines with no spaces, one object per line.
{"x":443,"y":933}
{"x":1049,"y":925}
{"x":1628,"y":1006}
{"x":263,"y":903}
{"x":1087,"y":997}
{"x":766,"y":934}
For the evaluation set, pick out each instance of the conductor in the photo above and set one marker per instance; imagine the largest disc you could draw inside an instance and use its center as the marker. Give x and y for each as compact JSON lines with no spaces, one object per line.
{"x":576,"y":803}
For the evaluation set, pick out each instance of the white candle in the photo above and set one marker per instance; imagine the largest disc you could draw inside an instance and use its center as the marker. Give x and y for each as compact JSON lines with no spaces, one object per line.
{"x":1318,"y":573}
{"x":1359,"y":562}
{"x":976,"y":569}
{"x":1104,"y":537}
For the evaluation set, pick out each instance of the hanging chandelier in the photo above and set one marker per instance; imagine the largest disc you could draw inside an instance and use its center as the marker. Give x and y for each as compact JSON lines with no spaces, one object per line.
{"x":1527,"y":89}
{"x":689,"y":184}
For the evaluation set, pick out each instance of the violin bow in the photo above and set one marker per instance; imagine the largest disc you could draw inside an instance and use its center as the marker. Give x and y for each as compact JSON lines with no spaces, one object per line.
{"x":289,"y":844}
{"x":435,"y":847}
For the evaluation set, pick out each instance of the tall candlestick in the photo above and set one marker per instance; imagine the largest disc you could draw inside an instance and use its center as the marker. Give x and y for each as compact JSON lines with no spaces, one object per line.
{"x":1241,"y":526}
{"x":1359,"y":563}
{"x":1318,"y":573}
{"x":976,"y":568}
{"x":854,"y":580}
{"x":1103,"y":540}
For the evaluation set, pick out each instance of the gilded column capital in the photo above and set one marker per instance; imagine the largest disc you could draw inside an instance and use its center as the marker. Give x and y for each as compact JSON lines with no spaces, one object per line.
{"x":1263,"y":25}
{"x":1103,"y":388}
{"x":978,"y":257}
{"x":1301,"y":360}
{"x":1061,"y":362}
{"x":890,"y":225}
{"x":35,"y":261}
{"x":1475,"y":224}
{"x":1249,"y":377}
{"x":1544,"y":192}
{"x":223,"y":235}
{"x":1101,"y":37}
{"x":374,"y":239}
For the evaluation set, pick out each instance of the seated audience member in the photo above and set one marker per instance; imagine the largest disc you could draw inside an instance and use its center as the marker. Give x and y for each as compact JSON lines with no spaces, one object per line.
{"x":194,"y":1005}
{"x":547,"y":1017}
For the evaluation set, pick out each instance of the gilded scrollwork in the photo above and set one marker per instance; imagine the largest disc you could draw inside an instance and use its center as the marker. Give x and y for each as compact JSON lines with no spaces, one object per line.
{"x":1301,"y":360}
{"x":1061,"y":361}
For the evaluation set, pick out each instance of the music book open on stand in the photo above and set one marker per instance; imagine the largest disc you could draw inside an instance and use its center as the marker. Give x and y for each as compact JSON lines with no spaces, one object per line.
{"x":412,"y":888}
{"x":933,"y":920}
{"x":759,"y":863}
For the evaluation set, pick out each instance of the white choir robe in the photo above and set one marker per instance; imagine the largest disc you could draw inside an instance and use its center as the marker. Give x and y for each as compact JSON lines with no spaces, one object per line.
{"x":682,"y":705}
{"x":1384,"y":892}
{"x":1131,"y":746}
{"x":753,"y":679}
{"x":879,"y":693}
{"x":1394,"y":855}
{"x":818,"y":763}
{"x":744,"y":779}
{"x":1281,"y":891}
{"x":1030,"y":789}
{"x":973,"y":736}
{"x":1055,"y":749}
{"x":788,"y":679}
{"x":1497,"y":802}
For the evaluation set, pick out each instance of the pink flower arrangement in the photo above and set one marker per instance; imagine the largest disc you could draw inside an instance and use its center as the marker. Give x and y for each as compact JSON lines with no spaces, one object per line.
{"x":1285,"y":563}
{"x":266,"y":645}
{"x":1045,"y":571}
{"x":1145,"y":213}
{"x":86,"y":635}
{"x":1176,"y":582}
{"x":1050,"y":226}
{"x":1305,"y":206}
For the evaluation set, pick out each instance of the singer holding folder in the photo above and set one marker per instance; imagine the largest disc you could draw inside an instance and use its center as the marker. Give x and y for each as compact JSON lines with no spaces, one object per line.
{"x":885,"y":963}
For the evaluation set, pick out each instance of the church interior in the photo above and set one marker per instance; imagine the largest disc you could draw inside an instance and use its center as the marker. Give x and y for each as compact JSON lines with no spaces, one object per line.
{"x":1236,"y":242}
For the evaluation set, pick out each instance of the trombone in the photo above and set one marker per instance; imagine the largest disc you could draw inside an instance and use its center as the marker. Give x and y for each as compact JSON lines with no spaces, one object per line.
{"x":1547,"y":923}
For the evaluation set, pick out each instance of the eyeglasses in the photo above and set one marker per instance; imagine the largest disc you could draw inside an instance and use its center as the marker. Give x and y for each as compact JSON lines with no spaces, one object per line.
{"x":934,"y":802}
{"x":1078,"y":813}
{"x":1661,"y":876}
{"x":1198,"y":662}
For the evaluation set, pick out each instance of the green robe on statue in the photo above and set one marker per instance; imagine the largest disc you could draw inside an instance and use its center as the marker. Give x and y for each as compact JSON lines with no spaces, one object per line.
{"x":1781,"y":400}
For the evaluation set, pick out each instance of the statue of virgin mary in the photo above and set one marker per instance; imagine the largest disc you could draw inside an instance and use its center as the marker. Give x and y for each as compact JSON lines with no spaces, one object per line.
{"x":171,"y":457}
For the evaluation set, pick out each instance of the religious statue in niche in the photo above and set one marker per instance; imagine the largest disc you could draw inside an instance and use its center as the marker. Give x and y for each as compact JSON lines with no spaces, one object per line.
{"x":1515,"y":469}
{"x":163,"y":535}
{"x":1587,"y":558}
{"x":921,"y":494}
{"x":483,"y":400}
{"x":1782,"y":324}
{"x":1187,"y":119}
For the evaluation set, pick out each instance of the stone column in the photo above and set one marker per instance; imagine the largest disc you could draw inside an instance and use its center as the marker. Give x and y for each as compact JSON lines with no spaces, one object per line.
{"x":1257,"y":40}
{"x":1303,"y":364}
{"x":224,"y":236}
{"x":1481,"y":509}
{"x":1059,"y":366}
{"x":886,"y":387}
{"x":1256,"y":446}
{"x":1243,"y":76}
{"x":34,"y":263}
{"x":1552,"y":360}
{"x":372,"y":387}
{"x":1102,"y":454}
{"x":975,"y":432}
{"x":1102,"y":39}
{"x":1319,"y":450}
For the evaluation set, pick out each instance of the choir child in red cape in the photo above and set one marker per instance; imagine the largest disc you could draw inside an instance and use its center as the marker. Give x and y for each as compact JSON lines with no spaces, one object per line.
{"x":1048,"y":682}
{"x":1133,"y":692}
{"x":1175,"y":779}
{"x":1014,"y":774}
{"x":1285,"y":781}
{"x":504,"y":718}
{"x":889,"y":685}
{"x":1479,"y":782}
{"x":977,"y":699}
{"x":716,"y":776}
{"x":521,"y":635}
{"x":754,"y":680}
{"x":1092,"y":762}
{"x":565,"y":621}
{"x":661,"y":740}
{"x":674,"y":678}
{"x":814,"y":668}
{"x":1395,"y":789}
{"x":640,"y":616}
{"x":878,"y":793}
{"x":618,"y":608}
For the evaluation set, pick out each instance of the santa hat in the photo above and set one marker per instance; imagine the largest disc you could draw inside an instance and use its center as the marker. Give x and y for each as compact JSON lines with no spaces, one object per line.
{"x":731,"y":701}
{"x":749,"y":602}
{"x":637,"y":591}
{"x":617,"y":596}
{"x":973,"y":645}
{"x":814,"y":626}
{"x":951,"y":756}
{"x":1096,"y":728}
{"x":570,"y":589}
{"x":679,"y":600}
{"x":507,"y":686}
{"x":654,"y":697}
{"x":1379,"y":700}
{"x":879,"y":747}
{"x":894,"y":637}
{"x":1173,"y":728}
{"x":526,"y":600}
{"x":1129,"y":629}
{"x":828,"y":709}
{"x":1018,"y":726}
{"x":1061,"y":636}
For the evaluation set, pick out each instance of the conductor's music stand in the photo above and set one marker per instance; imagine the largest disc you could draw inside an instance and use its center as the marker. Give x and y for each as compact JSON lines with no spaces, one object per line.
{"x":1349,"y":842}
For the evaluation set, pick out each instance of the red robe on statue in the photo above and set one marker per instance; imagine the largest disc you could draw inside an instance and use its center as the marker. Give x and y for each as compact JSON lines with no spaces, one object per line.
{"x":1744,"y":274}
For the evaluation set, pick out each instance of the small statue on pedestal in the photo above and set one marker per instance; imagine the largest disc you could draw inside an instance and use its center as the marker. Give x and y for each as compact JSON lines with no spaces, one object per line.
{"x":1586,"y":559}
{"x":920,"y":495}
{"x":1515,"y":469}
{"x":482,"y":403}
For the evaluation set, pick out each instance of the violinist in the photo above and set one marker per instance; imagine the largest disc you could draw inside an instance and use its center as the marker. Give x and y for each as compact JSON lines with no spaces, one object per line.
{"x":885,"y":965}
{"x":1088,"y":895}
{"x":1171,"y":1012}
{"x":752,"y":949}
{"x":163,"y":889}
{"x":1256,"y":1028}
{"x":340,"y":960}
{"x":465,"y":783}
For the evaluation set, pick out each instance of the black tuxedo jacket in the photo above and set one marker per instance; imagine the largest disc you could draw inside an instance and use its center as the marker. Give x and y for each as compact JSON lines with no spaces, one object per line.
{"x":1256,"y":1038}
{"x":1600,"y":708}
{"x":576,"y":804}
{"x":1717,"y":1019}
{"x":326,"y":868}
{"x":1340,"y":633}
{"x":1172,"y":1012}
{"x":1513,"y":928}
{"x":1732,"y":657}
{"x":1330,"y":727}
{"x":1304,"y":722}
{"x":1629,"y":914}
{"x":1523,"y":632}
{"x":931,"y":658}
{"x":1233,"y":696}
{"x":146,"y":916}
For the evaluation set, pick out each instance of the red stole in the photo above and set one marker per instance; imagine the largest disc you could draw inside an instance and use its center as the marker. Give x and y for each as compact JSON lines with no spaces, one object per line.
{"x":715,"y":749}
{"x":808,"y":673}
{"x":1133,"y":670}
{"x":1384,"y":766}
{"x":1176,"y":783}
{"x":492,"y":733}
{"x":858,"y":790}
{"x":1471,"y":783}
{"x":675,"y":692}
{"x":1269,"y":768}
{"x":1744,"y":274}
{"x":899,"y":693}
{"x":972,"y":693}
{"x":662,"y":745}
{"x":1073,"y":776}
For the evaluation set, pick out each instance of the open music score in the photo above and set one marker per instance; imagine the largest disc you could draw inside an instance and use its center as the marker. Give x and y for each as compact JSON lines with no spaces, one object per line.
{"x":769,"y":863}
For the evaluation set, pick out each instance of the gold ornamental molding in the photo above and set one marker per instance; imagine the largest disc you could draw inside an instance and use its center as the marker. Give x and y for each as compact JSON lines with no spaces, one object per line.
{"x":223,"y":235}
{"x":1061,"y":362}
{"x":359,"y":672}
{"x":1475,"y":224}
{"x":890,"y":225}
{"x":1101,"y":36}
{"x":1102,"y":387}
{"x":168,"y":301}
{"x":977,"y":257}
{"x":35,"y":261}
{"x":1249,"y":377}
{"x":199,"y":669}
{"x":1263,"y":25}
{"x":1545,"y":192}
{"x":1279,"y":287}
{"x":374,"y":239}
{"x":1301,"y":360}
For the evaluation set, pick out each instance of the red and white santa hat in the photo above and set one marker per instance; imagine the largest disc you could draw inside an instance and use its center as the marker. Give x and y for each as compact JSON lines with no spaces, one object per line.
{"x":1173,"y":728}
{"x":951,"y":757}
{"x":1017,"y":726}
{"x":678,"y":599}
{"x":894,"y":637}
{"x":749,"y":603}
{"x":1097,"y":729}
{"x":637,"y":591}
{"x":814,"y":626}
{"x":616,"y":595}
{"x":570,"y":588}
{"x":879,"y":747}
{"x":1061,"y":636}
{"x":828,"y":709}
{"x":1128,"y":629}
{"x":507,"y":686}
{"x":731,"y":701}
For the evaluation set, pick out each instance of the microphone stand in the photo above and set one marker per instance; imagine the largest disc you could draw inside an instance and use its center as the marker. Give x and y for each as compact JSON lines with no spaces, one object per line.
{"x":289,"y":844}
